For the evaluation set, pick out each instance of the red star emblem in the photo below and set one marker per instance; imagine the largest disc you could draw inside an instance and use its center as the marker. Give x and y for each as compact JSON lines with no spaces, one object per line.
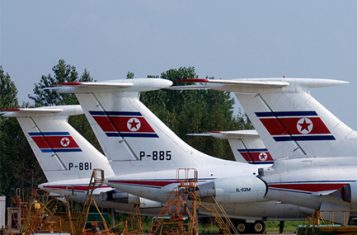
{"x":65,"y":141}
{"x":133,"y":124}
{"x":263,"y":156}
{"x":304,"y":125}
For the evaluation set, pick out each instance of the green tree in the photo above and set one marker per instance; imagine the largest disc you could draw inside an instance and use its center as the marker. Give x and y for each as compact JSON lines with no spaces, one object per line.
{"x":8,"y":91}
{"x":63,"y":72}
{"x":17,"y":164}
{"x":86,"y":77}
{"x":195,"y":111}
{"x":130,"y":75}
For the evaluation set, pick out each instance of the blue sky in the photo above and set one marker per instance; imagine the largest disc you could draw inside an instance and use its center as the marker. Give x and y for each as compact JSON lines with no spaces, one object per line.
{"x":224,"y":39}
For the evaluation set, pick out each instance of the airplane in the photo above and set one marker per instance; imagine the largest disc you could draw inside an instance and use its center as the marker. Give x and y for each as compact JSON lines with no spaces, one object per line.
{"x":314,"y":151}
{"x":55,"y":142}
{"x":68,"y":159}
{"x":146,"y":154}
{"x":246,"y":145}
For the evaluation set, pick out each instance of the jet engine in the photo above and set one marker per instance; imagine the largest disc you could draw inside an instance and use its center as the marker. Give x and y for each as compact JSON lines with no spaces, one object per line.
{"x":240,"y":190}
{"x":235,"y":190}
{"x":126,"y":198}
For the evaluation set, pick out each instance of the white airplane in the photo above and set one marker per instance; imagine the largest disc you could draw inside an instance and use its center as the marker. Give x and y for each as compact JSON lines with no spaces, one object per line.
{"x":146,"y":153}
{"x":314,"y":152}
{"x":67,"y":159}
{"x":246,"y":145}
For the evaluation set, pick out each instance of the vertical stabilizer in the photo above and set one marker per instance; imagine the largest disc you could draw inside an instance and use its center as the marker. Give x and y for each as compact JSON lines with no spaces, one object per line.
{"x":132,"y":137}
{"x":246,"y":145}
{"x":288,"y":119}
{"x":61,"y":151}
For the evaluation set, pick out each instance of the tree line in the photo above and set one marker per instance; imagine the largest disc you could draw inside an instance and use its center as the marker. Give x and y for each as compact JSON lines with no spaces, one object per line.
{"x":182,"y":111}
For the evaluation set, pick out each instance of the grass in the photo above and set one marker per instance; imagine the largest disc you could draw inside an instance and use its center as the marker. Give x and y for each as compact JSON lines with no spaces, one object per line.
{"x":210,"y":227}
{"x":290,"y":226}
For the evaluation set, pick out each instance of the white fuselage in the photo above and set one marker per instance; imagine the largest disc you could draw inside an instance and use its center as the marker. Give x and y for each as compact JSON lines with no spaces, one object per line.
{"x":77,"y":191}
{"x":236,"y":187}
{"x":311,"y":182}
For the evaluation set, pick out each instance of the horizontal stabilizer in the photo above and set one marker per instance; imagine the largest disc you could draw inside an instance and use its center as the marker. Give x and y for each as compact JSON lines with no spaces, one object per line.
{"x":138,"y":85}
{"x":97,"y":84}
{"x":61,"y":110}
{"x":190,"y":87}
{"x":228,"y":134}
{"x":242,"y":82}
{"x":259,"y":84}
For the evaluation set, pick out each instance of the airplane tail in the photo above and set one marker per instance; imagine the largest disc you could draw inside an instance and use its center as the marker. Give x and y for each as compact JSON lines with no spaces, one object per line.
{"x":61,"y":151}
{"x":288,"y":119}
{"x":131,"y":136}
{"x":246,"y":145}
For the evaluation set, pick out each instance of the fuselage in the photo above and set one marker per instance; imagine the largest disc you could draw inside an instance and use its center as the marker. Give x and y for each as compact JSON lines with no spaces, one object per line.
{"x":235,"y":186}
{"x":311,"y":182}
{"x":104,"y":195}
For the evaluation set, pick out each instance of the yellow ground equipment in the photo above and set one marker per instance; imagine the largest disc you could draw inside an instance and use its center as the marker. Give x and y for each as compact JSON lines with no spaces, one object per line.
{"x":180,"y":213}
